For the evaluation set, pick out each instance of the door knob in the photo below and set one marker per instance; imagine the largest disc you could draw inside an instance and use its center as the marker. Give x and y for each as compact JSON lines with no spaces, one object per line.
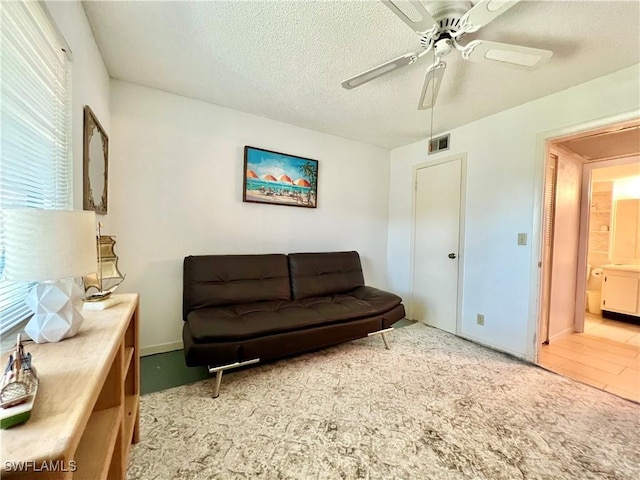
{"x":452,"y":255}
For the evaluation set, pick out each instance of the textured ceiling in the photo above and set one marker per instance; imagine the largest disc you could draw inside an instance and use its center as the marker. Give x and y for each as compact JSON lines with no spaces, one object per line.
{"x":614,"y":144}
{"x":285,"y":60}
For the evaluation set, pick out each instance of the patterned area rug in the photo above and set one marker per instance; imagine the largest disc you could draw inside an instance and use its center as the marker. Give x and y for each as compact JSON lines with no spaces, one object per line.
{"x":433,"y":407}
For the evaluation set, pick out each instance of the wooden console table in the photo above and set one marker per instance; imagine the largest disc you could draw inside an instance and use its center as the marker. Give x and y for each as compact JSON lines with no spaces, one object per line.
{"x":86,"y":413}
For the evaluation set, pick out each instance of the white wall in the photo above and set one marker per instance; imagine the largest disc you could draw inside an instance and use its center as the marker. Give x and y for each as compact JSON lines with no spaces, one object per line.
{"x":176,"y":190}
{"x":90,"y":80}
{"x":504,"y":178}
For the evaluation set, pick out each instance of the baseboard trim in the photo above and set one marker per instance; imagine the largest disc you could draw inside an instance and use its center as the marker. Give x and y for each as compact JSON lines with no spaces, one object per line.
{"x":560,"y":334}
{"x":511,"y":353}
{"x":161,"y":348}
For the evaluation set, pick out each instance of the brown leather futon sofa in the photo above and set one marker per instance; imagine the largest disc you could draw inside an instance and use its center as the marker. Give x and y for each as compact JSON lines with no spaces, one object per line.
{"x":242,"y":309}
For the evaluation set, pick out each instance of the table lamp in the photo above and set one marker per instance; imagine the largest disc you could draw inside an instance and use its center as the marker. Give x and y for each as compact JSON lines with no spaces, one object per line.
{"x":50,"y":247}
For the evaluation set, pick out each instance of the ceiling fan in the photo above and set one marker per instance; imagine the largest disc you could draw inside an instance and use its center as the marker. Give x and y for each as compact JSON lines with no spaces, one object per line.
{"x":440,"y":29}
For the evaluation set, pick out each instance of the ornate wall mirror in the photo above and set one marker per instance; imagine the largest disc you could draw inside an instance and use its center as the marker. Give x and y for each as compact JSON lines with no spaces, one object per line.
{"x":96,"y":164}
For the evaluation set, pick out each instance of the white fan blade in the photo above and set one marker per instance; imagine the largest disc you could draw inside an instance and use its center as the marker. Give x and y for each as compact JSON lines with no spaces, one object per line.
{"x":376,"y":72}
{"x":485,"y":11}
{"x":512,"y":55}
{"x":431,"y":86}
{"x":413,"y":13}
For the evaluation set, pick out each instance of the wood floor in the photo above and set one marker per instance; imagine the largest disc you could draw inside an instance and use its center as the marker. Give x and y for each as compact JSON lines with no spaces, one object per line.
{"x":606,"y":356}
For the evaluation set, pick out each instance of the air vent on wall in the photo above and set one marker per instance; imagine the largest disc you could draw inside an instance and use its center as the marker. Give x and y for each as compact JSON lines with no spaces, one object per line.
{"x":439,"y":144}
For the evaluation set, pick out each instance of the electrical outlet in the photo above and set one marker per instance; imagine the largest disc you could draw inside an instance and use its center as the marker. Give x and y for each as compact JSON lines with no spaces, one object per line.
{"x":480,"y":319}
{"x":522,"y":239}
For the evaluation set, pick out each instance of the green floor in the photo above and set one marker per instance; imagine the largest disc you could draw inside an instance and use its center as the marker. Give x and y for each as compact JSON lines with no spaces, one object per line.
{"x":167,"y":370}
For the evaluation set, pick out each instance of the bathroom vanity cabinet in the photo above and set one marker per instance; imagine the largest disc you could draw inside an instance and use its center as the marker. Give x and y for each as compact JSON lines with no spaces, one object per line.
{"x":621,"y":289}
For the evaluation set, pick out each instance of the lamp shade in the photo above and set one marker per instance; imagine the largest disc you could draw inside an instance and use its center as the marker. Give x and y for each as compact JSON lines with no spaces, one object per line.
{"x":48,"y":244}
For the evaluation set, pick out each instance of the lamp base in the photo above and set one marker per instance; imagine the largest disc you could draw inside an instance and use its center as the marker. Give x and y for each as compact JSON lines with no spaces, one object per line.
{"x":55,"y":316}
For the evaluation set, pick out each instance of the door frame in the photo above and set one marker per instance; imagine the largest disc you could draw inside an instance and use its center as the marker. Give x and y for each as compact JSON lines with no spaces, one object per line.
{"x":463,"y":193}
{"x":537,"y":240}
{"x":583,"y":228}
{"x":585,"y":210}
{"x":546,"y":255}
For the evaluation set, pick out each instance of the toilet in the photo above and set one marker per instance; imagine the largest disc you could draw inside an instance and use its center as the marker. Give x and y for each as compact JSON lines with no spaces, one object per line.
{"x":594,"y":292}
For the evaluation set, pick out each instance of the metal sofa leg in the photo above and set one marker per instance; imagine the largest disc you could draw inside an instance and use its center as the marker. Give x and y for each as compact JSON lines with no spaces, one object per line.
{"x":216,"y":387}
{"x":219,"y":370}
{"x":384,"y":338}
{"x":386,"y":343}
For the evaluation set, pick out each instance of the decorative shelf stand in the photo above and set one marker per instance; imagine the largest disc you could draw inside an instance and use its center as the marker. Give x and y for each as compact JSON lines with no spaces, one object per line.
{"x":86,"y":414}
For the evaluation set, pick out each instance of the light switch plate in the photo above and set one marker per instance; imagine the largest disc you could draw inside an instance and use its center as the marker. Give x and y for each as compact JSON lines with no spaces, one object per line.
{"x":522,"y":239}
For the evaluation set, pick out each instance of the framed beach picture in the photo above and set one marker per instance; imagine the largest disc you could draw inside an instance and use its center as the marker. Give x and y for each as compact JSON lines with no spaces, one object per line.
{"x":280,"y":179}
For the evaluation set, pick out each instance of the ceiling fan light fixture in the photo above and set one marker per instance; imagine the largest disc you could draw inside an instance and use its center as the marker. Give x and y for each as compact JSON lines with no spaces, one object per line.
{"x":413,"y":13}
{"x":408,"y":9}
{"x":431,"y":86}
{"x":440,"y":29}
{"x":375,"y":72}
{"x":484,"y":12}
{"x":428,"y":93}
{"x":495,"y":5}
{"x":512,"y":57}
{"x":355,"y":82}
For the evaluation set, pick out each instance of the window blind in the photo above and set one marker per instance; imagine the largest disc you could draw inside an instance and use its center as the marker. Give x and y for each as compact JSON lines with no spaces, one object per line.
{"x":35,"y":128}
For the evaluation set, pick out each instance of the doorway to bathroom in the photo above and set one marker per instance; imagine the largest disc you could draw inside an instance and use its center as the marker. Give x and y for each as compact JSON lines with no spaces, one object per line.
{"x":589,"y":177}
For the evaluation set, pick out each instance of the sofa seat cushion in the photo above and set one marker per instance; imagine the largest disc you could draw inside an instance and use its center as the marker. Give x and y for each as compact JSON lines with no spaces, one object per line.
{"x":250,"y":320}
{"x":379,"y":300}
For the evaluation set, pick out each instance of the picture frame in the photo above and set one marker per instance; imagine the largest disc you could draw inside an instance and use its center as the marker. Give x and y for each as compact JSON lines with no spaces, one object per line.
{"x":95,"y":160}
{"x":279,"y":178}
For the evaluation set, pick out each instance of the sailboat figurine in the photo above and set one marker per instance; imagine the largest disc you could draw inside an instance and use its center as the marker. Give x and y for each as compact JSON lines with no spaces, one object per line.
{"x":100,"y":285}
{"x":18,"y":387}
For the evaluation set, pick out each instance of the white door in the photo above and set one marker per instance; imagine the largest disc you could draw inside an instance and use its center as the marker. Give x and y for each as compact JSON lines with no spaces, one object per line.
{"x":436,"y":244}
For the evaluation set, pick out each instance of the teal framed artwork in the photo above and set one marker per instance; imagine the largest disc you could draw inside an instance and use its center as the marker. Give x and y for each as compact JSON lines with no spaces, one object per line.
{"x":279,"y":179}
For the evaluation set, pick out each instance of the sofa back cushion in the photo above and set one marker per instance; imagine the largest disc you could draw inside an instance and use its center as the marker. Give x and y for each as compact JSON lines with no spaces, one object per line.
{"x":218,"y":280}
{"x":318,"y":274}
